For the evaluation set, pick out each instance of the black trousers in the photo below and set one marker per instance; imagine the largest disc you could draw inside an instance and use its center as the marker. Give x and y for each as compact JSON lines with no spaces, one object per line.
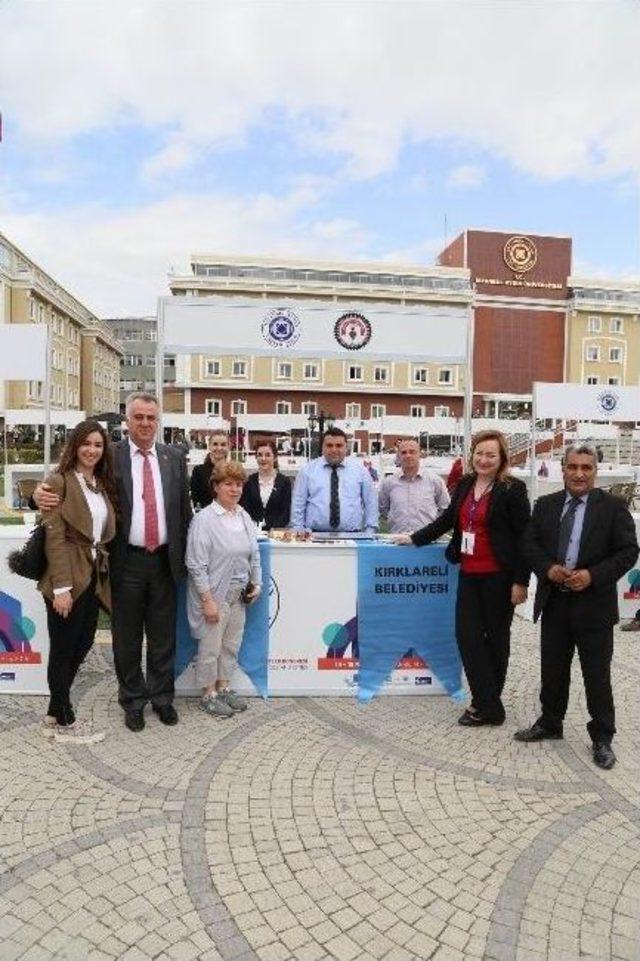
{"x":70,"y":640}
{"x":564,"y":630}
{"x":483,"y":629}
{"x":144,"y":602}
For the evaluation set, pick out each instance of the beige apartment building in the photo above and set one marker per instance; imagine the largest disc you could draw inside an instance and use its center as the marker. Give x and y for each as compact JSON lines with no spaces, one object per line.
{"x":603,"y":333}
{"x":228,"y":386}
{"x":85,"y":356}
{"x":592,"y":333}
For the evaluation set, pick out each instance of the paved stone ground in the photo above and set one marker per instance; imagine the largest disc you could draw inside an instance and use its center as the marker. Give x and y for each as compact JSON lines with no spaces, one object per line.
{"x":315,"y":828}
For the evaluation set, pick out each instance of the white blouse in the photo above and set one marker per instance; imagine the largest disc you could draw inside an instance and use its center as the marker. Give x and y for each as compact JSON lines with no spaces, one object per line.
{"x":98,"y":508}
{"x":266,"y":487}
{"x":96,"y":504}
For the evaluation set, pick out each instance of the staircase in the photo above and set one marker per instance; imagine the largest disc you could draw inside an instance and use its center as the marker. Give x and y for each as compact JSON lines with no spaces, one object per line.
{"x":519,"y":445}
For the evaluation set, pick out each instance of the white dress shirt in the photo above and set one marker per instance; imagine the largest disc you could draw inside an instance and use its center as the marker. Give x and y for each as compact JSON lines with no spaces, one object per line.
{"x":136,"y":532}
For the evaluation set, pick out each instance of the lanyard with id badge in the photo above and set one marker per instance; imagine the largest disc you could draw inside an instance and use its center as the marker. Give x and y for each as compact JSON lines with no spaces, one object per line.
{"x":468,"y":542}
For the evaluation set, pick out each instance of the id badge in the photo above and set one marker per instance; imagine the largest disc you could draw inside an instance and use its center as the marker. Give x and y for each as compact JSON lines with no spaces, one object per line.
{"x":468,"y":542}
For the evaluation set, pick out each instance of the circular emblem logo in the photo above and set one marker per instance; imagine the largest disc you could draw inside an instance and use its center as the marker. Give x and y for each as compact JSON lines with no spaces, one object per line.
{"x":274,"y":601}
{"x":608,"y":401}
{"x":520,"y":254}
{"x":352,"y":331}
{"x":281,"y":327}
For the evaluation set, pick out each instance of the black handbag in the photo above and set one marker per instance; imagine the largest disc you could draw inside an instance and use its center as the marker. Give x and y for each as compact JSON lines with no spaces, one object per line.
{"x":30,"y":561}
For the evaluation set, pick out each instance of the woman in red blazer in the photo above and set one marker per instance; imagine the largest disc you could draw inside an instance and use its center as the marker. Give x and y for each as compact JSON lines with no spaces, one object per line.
{"x":488,"y":513}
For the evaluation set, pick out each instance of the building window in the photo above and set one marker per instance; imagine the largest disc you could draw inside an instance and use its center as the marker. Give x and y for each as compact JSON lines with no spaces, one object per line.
{"x":594,"y":325}
{"x":150,"y":333}
{"x":593,"y":379}
{"x":378,"y":410}
{"x":592,"y":353}
{"x":309,"y":407}
{"x":238,"y":407}
{"x":445,"y":375}
{"x":417,"y":410}
{"x":239,"y":368}
{"x":310,"y":371}
{"x":354,"y":373}
{"x":212,"y":407}
{"x":284,"y":370}
{"x":613,"y":381}
{"x":420,"y":375}
{"x":616,"y":325}
{"x":212,"y":368}
{"x":615,"y":355}
{"x":133,"y":360}
{"x":441,"y":411}
{"x":381,"y":375}
{"x":283,"y":407}
{"x":352,"y":411}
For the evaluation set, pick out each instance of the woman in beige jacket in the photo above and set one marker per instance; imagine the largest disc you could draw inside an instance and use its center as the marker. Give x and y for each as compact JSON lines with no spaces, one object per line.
{"x":76,"y":580}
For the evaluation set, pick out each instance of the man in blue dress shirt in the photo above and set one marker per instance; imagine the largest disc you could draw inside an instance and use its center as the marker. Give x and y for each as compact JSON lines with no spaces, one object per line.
{"x":334,"y":492}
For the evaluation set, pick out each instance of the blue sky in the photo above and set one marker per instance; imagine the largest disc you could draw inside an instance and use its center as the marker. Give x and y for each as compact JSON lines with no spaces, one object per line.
{"x":134,"y":135}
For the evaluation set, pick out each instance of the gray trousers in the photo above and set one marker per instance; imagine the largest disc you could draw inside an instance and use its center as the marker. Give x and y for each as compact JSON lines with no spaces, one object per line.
{"x":218,"y":647}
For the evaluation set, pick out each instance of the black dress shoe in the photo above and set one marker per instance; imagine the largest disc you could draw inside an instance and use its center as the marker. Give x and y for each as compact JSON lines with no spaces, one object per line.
{"x":134,"y":720}
{"x":167,"y":714}
{"x":603,"y":755}
{"x":537,"y":733}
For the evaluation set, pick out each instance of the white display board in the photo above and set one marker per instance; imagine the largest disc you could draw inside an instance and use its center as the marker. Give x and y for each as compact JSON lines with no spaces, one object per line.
{"x":313,"y":589}
{"x":288,"y":328}
{"x":23,"y":351}
{"x":24,"y":640}
{"x":586,"y":402}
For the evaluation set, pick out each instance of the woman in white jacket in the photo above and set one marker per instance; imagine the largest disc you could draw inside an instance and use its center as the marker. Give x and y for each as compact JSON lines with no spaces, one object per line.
{"x":223,"y":561}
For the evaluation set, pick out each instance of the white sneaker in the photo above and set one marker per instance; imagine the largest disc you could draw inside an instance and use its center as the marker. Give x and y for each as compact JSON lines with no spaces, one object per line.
{"x":80,"y":732}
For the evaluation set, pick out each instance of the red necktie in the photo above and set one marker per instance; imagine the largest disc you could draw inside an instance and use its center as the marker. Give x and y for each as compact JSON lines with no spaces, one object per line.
{"x":151,"y":535}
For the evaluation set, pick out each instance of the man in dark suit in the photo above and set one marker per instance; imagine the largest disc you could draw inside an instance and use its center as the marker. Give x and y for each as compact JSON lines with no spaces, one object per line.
{"x":146,"y":561}
{"x":579,"y":543}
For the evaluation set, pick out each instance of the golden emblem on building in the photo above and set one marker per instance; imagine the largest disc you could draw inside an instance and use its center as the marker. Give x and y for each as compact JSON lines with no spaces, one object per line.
{"x":520,"y":254}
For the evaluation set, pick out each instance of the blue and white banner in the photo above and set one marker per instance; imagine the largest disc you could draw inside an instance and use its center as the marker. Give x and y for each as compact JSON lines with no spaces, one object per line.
{"x":254,"y":650}
{"x":406,"y":602}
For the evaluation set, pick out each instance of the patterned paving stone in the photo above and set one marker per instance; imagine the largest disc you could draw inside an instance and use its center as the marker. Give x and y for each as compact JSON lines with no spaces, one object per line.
{"x":316,"y":829}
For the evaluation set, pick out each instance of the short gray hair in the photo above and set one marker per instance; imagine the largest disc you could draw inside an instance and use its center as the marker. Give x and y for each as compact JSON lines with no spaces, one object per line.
{"x":144,"y":395}
{"x":581,"y":447}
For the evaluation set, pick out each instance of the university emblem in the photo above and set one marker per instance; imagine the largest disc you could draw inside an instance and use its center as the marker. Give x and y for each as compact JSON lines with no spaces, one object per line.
{"x":608,"y":401}
{"x":281,"y":327}
{"x":520,"y":254}
{"x":352,"y":330}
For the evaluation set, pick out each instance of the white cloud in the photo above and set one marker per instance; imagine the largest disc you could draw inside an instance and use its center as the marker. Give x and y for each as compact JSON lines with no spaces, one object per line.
{"x":466,"y":175}
{"x":117,"y":261}
{"x":550,"y":87}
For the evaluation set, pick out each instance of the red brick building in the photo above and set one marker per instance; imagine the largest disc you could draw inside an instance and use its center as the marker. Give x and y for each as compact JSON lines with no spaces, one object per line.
{"x":520,"y":312}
